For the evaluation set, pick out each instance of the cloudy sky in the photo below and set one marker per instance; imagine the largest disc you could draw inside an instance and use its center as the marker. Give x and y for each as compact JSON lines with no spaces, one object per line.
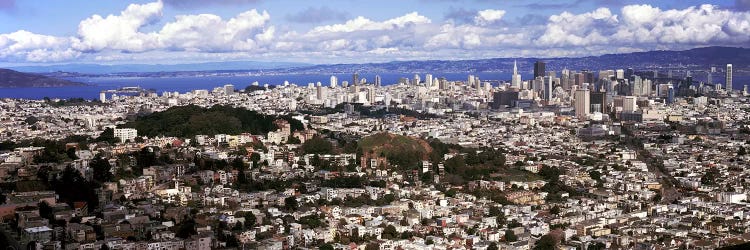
{"x":352,"y":31}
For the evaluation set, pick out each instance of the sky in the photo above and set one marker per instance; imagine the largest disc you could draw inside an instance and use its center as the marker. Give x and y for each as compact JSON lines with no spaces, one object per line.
{"x":43,"y":32}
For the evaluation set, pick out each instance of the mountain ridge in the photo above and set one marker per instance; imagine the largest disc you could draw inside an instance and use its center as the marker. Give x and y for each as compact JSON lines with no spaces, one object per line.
{"x":14,"y":79}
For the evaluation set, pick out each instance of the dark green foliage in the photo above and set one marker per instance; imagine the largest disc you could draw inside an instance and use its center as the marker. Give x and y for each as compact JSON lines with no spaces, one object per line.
{"x":72,"y":187}
{"x":344,"y":182}
{"x":312,"y":221}
{"x":510,"y":236}
{"x":191,"y":120}
{"x":107,"y":136}
{"x":710,"y":177}
{"x":390,"y":232}
{"x":31,"y":120}
{"x":546,"y":242}
{"x":186,"y":228}
{"x":317,"y":145}
{"x":101,"y":169}
{"x":493,"y":246}
{"x":325,"y":246}
{"x":290,"y":203}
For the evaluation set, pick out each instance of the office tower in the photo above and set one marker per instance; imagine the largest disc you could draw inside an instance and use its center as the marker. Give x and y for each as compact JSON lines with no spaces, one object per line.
{"x":417,"y":79}
{"x":598,"y":100}
{"x":539,"y":69}
{"x":629,"y":73}
{"x":589,"y":77}
{"x":334,"y":81}
{"x":709,"y":78}
{"x":637,"y":86}
{"x":547,"y":88}
{"x":228,"y":89}
{"x":470,"y":81}
{"x":355,"y":79}
{"x":377,"y":80}
{"x":579,"y":79}
{"x":729,"y":77}
{"x":321,"y":93}
{"x":670,"y":95}
{"x":516,"y":78}
{"x":102,"y":97}
{"x":583,"y":103}
{"x":620,"y":74}
{"x":428,"y":80}
{"x":629,"y":104}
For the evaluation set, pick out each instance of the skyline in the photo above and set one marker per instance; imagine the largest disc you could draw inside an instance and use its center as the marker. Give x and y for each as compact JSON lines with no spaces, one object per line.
{"x":183,"y":31}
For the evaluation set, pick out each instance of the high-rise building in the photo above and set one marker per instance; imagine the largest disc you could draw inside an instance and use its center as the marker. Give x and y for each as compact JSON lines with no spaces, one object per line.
{"x":539,"y":69}
{"x":228,"y":89}
{"x":516,"y":78}
{"x":102,"y":97}
{"x":548,"y":88}
{"x":629,"y":72}
{"x":334,"y":81}
{"x":729,"y":77}
{"x":428,"y":80}
{"x":620,"y":74}
{"x":417,"y":79}
{"x":583,"y":103}
{"x":629,"y":104}
{"x":377,"y":80}
{"x":355,"y":79}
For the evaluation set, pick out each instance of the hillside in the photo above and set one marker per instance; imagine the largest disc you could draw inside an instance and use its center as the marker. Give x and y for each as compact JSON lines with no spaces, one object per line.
{"x":403,"y":151}
{"x":188,"y":121}
{"x":15,"y":79}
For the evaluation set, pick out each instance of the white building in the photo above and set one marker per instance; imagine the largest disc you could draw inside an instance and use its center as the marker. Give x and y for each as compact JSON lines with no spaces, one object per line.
{"x":583,"y":103}
{"x":125,"y":134}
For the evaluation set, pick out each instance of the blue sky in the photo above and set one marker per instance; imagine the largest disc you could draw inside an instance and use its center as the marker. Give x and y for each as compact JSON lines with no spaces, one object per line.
{"x":338,"y":31}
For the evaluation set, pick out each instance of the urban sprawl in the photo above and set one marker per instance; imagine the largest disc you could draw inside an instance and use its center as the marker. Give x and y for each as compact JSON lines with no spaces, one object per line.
{"x":613,"y":159}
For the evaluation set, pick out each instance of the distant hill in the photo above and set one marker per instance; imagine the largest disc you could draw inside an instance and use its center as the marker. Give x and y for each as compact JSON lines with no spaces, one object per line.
{"x":701,"y":58}
{"x":141,"y":68}
{"x":403,"y":151}
{"x":14,"y":79}
{"x":191,"y":120}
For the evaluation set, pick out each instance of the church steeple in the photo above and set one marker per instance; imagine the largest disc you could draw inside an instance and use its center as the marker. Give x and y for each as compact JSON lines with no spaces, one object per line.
{"x":515,"y":68}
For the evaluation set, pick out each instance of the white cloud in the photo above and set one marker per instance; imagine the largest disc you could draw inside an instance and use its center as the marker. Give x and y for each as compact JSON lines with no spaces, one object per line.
{"x":26,"y":46}
{"x":488,"y":17}
{"x":251,"y":35}
{"x":210,"y":33}
{"x":120,"y":32}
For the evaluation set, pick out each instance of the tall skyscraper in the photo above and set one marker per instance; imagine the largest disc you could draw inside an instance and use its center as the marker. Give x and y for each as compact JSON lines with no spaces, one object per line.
{"x":355,"y":79}
{"x":539,"y":69}
{"x":334,"y":81}
{"x":377,"y":80}
{"x":583,"y":103}
{"x":428,"y":80}
{"x":417,"y":79}
{"x":516,"y":78}
{"x":548,"y":88}
{"x":729,"y":77}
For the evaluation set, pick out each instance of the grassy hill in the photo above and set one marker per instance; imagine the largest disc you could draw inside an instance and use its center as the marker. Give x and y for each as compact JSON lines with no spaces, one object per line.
{"x":15,"y":79}
{"x":402,"y":151}
{"x":188,"y":121}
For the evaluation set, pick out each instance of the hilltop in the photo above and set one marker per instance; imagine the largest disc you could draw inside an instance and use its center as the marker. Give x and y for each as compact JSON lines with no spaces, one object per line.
{"x":191,"y":120}
{"x":403,"y":151}
{"x":14,"y":79}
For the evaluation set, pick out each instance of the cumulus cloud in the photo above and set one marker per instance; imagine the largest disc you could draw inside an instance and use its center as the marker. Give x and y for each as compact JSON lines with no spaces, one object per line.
{"x":120,"y":32}
{"x":210,"y":33}
{"x":26,"y":46}
{"x":462,"y":34}
{"x":489,"y":16}
{"x":317,"y":15}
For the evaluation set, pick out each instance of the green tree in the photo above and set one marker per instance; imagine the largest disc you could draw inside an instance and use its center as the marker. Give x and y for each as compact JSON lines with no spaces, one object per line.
{"x":102,"y":169}
{"x":493,"y":246}
{"x":317,"y":145}
{"x":290,"y":203}
{"x":546,"y":242}
{"x":390,"y":232}
{"x":510,"y":236}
